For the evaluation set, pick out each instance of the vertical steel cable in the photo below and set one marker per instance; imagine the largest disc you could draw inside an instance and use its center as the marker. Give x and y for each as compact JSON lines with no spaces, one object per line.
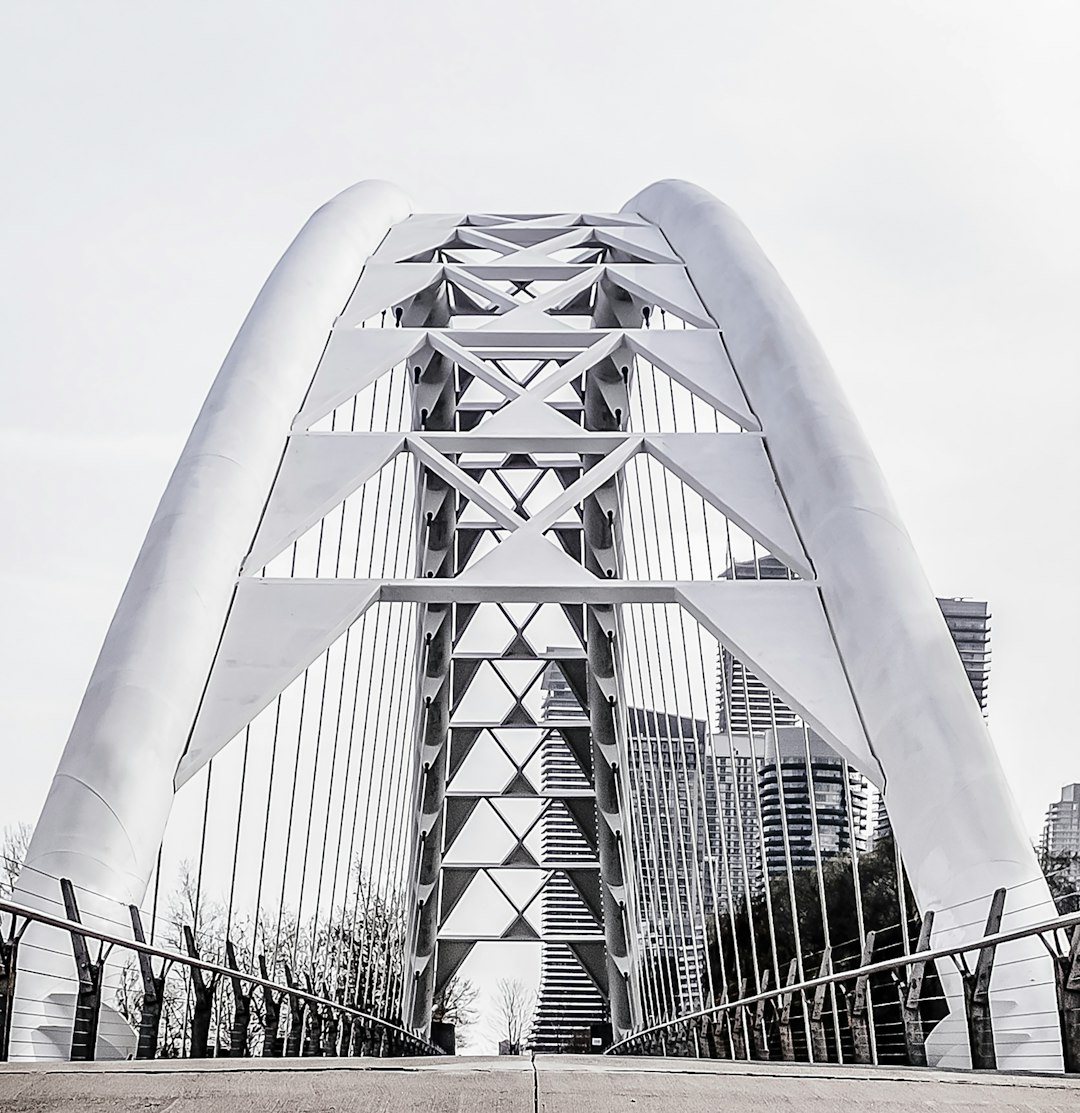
{"x":729,"y":890}
{"x":711,"y":745}
{"x":355,"y":858}
{"x":856,"y":880}
{"x":292,"y":800}
{"x":397,"y":694}
{"x":365,"y":884}
{"x":646,"y":974}
{"x":376,"y":516}
{"x":266,"y":829}
{"x":202,"y":852}
{"x":378,"y":797}
{"x":157,"y":893}
{"x":755,"y":767}
{"x":392,"y":895}
{"x":325,"y":662}
{"x":693,"y":874}
{"x":661,"y":783}
{"x":399,"y":851}
{"x":648,"y":782}
{"x":816,"y":834}
{"x":651,"y":781}
{"x":901,"y":896}
{"x":337,"y":731}
{"x":781,"y":800}
{"x":698,"y":875}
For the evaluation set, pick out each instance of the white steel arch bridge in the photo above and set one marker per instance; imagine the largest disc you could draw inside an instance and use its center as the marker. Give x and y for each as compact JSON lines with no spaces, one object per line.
{"x":452,"y":464}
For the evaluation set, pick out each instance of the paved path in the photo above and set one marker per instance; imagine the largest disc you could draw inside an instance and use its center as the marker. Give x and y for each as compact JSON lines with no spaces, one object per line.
{"x":553,"y":1084}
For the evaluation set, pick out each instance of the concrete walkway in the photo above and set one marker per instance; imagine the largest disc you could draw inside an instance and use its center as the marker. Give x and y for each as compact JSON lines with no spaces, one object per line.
{"x":553,"y":1084}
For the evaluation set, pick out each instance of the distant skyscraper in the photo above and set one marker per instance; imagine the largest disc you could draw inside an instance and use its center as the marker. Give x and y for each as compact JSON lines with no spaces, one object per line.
{"x":1061,"y":833}
{"x":969,"y":623}
{"x":675,"y":786}
{"x":667,"y":772}
{"x":738,"y":846}
{"x":759,"y":723}
{"x":569,"y":1001}
{"x":829,"y":820}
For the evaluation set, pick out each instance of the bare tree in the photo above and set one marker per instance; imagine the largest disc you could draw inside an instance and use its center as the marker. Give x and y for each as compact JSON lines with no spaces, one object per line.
{"x":513,"y":1008}
{"x":457,"y":1005}
{"x":13,"y":848}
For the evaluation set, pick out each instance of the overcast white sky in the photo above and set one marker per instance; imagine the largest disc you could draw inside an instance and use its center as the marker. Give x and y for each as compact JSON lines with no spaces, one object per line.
{"x":911,"y":167}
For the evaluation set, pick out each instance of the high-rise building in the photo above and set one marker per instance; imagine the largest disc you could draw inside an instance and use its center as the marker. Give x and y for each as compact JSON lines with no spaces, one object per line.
{"x":804,"y":782}
{"x":678,"y":840}
{"x":569,"y":1001}
{"x":759,"y":724}
{"x":880,"y":824}
{"x":736,"y":761}
{"x":1060,"y":844}
{"x":677,"y":833}
{"x":969,"y":623}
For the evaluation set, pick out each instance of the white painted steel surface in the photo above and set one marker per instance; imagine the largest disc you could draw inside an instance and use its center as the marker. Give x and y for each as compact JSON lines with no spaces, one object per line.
{"x":106,"y":811}
{"x":861,"y":649}
{"x":954,"y":815}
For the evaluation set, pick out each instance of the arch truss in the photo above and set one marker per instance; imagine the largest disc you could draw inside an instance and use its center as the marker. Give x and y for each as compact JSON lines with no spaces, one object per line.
{"x":553,"y":474}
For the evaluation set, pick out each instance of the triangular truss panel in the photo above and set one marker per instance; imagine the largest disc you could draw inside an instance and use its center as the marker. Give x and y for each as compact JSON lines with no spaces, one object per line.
{"x":353,"y":520}
{"x":344,"y":393}
{"x":318,"y":473}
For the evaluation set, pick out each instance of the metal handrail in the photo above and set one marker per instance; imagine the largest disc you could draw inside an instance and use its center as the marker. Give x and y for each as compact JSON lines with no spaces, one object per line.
{"x":880,"y":967}
{"x":37,"y":916}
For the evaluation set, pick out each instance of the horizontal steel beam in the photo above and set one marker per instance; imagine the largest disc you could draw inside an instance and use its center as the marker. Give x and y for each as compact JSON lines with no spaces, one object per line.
{"x":603,"y":591}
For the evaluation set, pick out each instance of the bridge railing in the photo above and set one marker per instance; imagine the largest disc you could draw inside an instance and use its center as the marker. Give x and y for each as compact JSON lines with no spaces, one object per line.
{"x":285,"y":1019}
{"x":877,"y":1011}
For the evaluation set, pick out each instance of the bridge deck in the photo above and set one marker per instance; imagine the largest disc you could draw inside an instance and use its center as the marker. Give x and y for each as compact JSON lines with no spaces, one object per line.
{"x":551,"y":1084}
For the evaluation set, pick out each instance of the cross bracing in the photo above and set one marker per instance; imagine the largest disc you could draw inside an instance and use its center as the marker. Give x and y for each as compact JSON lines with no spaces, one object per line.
{"x":447,"y":454}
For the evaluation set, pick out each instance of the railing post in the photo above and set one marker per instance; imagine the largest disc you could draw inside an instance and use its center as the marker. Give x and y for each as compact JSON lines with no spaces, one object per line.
{"x":238,"y":1035}
{"x":759,"y":1035}
{"x":203,"y":1008}
{"x":710,"y":1037}
{"x":313,"y":1044}
{"x":977,"y":993}
{"x":725,"y":1047}
{"x":1067,"y":977}
{"x":88,"y":1002}
{"x":787,"y":1043}
{"x":153,"y":999}
{"x":914,"y":1036}
{"x":331,"y":1025}
{"x":859,"y":1007}
{"x":818,"y":1043}
{"x":271,"y":1017}
{"x":294,"y":1042}
{"x":745,"y":1023}
{"x":9,"y":966}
